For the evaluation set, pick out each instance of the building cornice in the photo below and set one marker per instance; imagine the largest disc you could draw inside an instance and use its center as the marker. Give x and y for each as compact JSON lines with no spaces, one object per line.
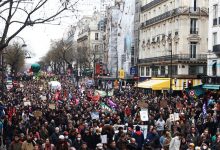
{"x":152,"y":4}
{"x":85,"y":37}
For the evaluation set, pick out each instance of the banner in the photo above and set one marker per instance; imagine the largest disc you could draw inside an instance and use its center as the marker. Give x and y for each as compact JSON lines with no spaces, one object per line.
{"x":105,"y":107}
{"x":103,"y":93}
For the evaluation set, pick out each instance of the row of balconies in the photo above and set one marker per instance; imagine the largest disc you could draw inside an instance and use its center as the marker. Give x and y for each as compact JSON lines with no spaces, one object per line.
{"x":173,"y":13}
{"x":177,"y":57}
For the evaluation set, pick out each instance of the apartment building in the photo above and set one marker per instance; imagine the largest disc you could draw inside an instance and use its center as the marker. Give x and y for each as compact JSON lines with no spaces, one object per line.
{"x":173,"y":40}
{"x":213,"y":63}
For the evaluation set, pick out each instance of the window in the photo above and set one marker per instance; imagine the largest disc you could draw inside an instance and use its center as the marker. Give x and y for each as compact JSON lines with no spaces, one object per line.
{"x":196,"y":70}
{"x":96,"y":48}
{"x":192,"y":52}
{"x":96,"y":36}
{"x":174,"y":70}
{"x":193,"y":26}
{"x":142,"y":71}
{"x":215,"y":38}
{"x":155,"y":71}
{"x":162,"y":70}
{"x":215,"y":11}
{"x":147,"y":71}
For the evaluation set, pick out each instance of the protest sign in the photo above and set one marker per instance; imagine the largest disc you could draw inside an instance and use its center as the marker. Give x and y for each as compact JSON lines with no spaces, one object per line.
{"x":176,"y":117}
{"x":37,"y":114}
{"x":104,"y":139}
{"x":27,"y":103}
{"x":171,"y":117}
{"x":144,"y":115}
{"x":94,"y":115}
{"x":52,"y":106}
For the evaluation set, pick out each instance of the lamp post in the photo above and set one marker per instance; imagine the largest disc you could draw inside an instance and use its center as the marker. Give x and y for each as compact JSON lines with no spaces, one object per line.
{"x":169,"y":39}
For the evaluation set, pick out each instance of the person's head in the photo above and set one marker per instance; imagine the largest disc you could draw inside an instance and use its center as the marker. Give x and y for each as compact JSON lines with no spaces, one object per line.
{"x":120,"y":129}
{"x":36,"y":147}
{"x":191,"y":146}
{"x":17,"y":138}
{"x":112,"y":144}
{"x":137,"y":128}
{"x":57,"y":130}
{"x":29,"y":139}
{"x":98,"y":131}
{"x":99,"y":146}
{"x":205,"y":146}
{"x":193,"y":130}
{"x":61,"y":138}
{"x":47,"y":141}
{"x":78,"y":137}
{"x":133,"y":140}
{"x":84,"y":145}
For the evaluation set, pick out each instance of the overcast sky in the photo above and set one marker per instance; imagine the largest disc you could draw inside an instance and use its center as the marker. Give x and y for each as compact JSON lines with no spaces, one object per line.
{"x":38,"y":37}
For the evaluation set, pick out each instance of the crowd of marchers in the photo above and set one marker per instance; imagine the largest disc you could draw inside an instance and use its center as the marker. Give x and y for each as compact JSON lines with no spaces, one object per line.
{"x":36,"y":117}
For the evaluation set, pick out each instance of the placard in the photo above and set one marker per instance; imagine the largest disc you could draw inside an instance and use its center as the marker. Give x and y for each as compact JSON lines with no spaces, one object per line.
{"x":176,"y":116}
{"x":171,"y":117}
{"x":27,"y":103}
{"x":95,"y":115}
{"x":104,"y":139}
{"x":52,"y":106}
{"x":144,"y":115}
{"x":37,"y":114}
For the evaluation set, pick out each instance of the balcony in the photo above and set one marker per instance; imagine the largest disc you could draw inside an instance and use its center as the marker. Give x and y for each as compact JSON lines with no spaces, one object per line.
{"x":202,"y":58}
{"x":216,"y":49}
{"x":194,"y":10}
{"x":173,"y":13}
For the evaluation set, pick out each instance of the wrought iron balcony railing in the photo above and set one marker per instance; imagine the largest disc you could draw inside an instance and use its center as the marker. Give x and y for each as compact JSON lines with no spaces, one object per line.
{"x":178,"y":57}
{"x":173,"y":13}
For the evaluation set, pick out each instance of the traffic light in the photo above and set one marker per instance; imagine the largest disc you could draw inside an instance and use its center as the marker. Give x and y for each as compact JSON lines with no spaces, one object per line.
{"x":101,"y":68}
{"x":190,"y":83}
{"x":184,"y":85}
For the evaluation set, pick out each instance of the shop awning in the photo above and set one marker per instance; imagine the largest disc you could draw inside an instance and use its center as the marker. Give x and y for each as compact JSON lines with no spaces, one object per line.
{"x":155,"y":84}
{"x":211,"y":86}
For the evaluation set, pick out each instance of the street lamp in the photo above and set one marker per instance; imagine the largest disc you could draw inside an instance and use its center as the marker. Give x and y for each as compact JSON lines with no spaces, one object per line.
{"x":169,"y":39}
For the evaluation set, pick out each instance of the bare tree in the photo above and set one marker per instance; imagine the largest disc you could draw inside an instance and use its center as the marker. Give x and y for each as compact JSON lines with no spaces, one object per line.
{"x":16,"y":15}
{"x":15,"y":57}
{"x":61,"y":55}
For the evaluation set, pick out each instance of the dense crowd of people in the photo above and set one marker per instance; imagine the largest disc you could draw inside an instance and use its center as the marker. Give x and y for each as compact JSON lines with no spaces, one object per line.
{"x":36,"y":117}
